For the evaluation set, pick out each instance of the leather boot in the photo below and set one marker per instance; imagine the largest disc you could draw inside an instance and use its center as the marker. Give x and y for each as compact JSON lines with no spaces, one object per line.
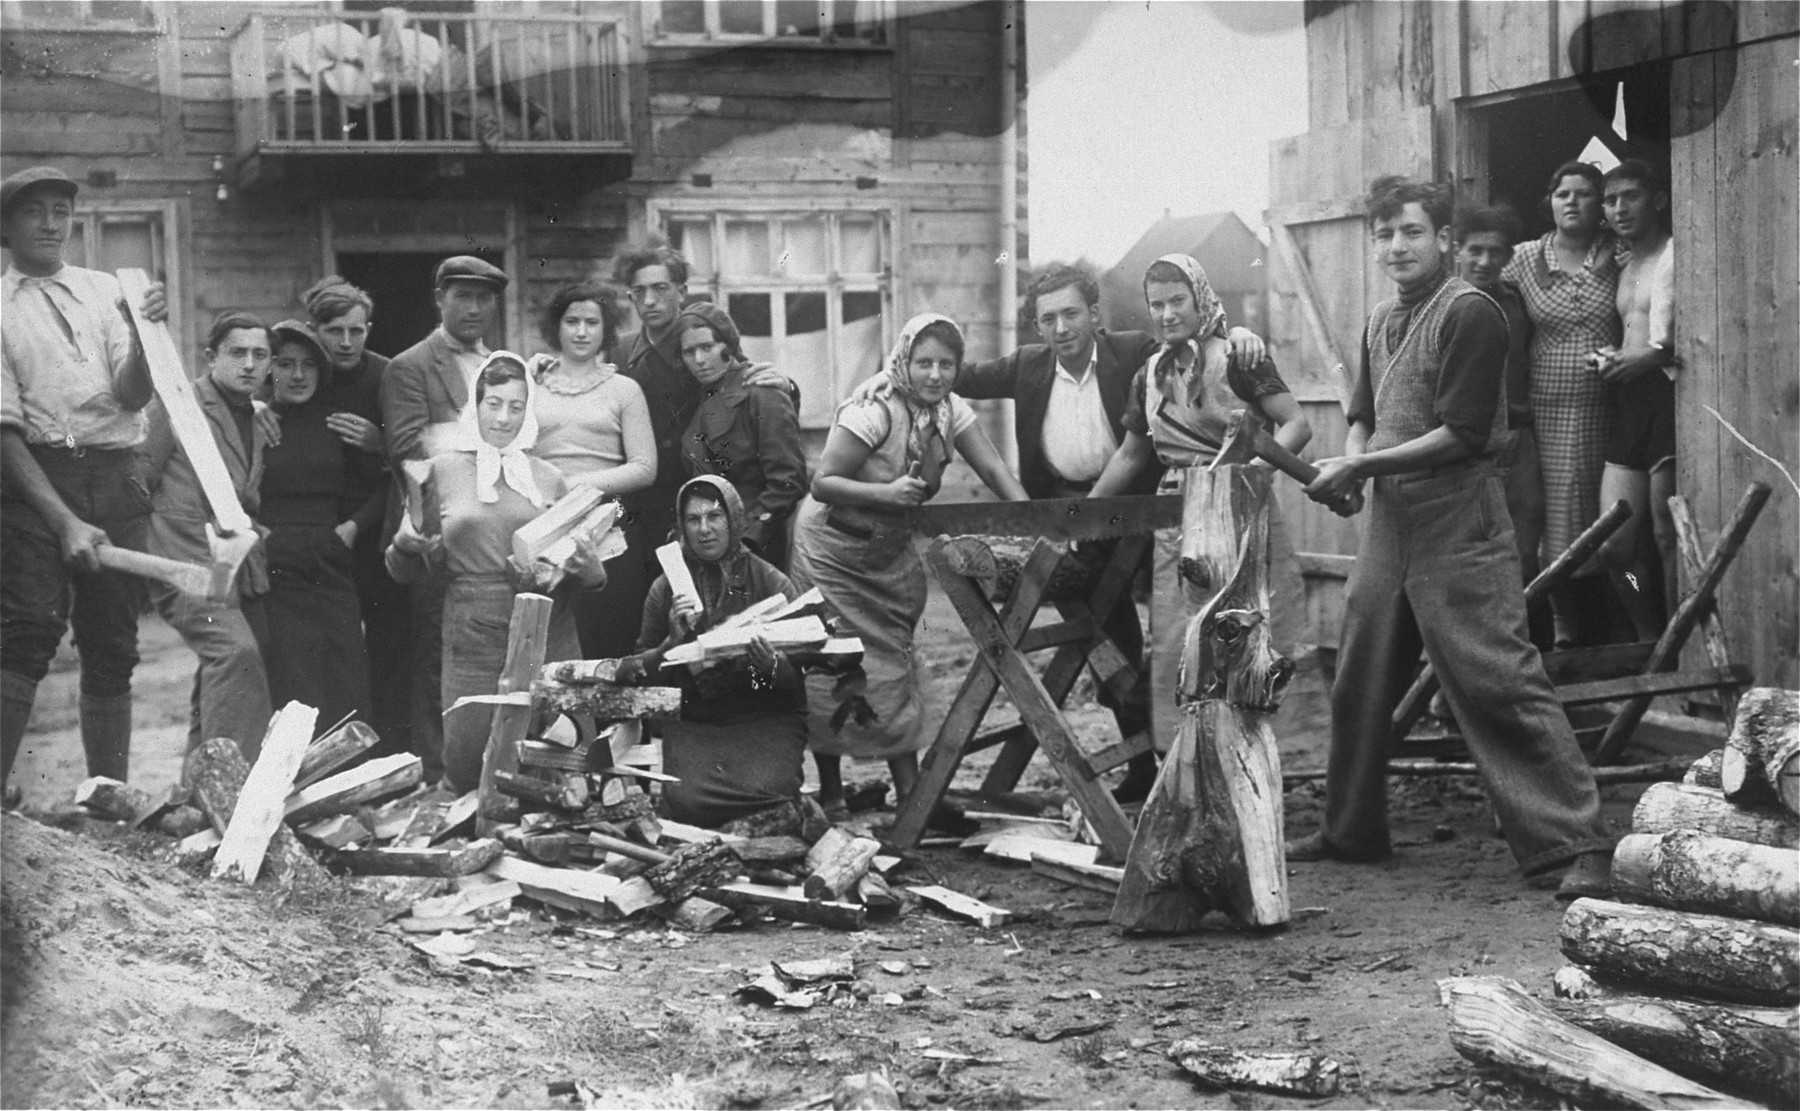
{"x":17,"y":694}
{"x":106,"y":734}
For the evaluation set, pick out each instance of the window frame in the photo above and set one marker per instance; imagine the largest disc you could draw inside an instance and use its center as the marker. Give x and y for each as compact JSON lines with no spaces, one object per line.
{"x":768,"y":36}
{"x":834,"y":283}
{"x":19,"y":15}
{"x":166,"y":241}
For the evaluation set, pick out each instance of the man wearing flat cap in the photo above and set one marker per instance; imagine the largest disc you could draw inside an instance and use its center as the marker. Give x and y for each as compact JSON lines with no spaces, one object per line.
{"x":422,"y":397}
{"x":73,"y":386}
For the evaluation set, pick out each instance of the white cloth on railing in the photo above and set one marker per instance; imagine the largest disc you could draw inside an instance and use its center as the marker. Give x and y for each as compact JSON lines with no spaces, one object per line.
{"x":359,"y":69}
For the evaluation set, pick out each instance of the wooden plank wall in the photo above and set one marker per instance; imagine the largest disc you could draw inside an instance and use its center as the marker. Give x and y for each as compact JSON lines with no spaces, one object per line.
{"x":1736,"y":185}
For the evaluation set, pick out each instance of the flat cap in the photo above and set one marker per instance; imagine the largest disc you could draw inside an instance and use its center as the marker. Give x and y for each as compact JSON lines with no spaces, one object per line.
{"x":468,"y":268}
{"x":37,"y":177}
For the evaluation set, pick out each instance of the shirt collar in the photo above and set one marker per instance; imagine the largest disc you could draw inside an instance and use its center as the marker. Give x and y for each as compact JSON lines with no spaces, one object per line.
{"x":1093,"y":366}
{"x":458,"y":346}
{"x":15,"y":279}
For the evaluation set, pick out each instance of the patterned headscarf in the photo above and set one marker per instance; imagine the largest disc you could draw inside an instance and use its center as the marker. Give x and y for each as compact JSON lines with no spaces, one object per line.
{"x":1212,"y":310}
{"x":896,"y":380}
{"x":510,"y":463}
{"x":724,"y":583}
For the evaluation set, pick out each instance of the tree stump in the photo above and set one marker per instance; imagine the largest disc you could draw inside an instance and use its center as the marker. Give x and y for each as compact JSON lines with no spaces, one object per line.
{"x":1210,"y":835}
{"x":1720,"y":958}
{"x":1689,"y":870}
{"x":215,"y":773}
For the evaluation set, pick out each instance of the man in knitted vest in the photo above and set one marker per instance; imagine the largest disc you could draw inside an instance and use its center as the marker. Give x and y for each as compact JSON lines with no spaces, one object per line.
{"x":1438,"y":568}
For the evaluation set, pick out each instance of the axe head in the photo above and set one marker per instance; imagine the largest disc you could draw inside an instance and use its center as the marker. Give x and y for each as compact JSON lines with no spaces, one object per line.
{"x":228,"y":553}
{"x":1240,"y":439}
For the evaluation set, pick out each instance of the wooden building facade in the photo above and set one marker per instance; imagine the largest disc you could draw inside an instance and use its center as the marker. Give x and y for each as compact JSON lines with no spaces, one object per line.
{"x":1493,"y":96}
{"x":830,"y":168}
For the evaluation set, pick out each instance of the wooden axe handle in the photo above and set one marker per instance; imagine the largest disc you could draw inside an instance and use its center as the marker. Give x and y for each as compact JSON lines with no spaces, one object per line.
{"x":189,"y":578}
{"x":1296,"y":468}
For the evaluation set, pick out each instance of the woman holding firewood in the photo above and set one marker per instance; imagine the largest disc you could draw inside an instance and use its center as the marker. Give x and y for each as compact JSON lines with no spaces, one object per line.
{"x":477,"y":496}
{"x":741,"y":739}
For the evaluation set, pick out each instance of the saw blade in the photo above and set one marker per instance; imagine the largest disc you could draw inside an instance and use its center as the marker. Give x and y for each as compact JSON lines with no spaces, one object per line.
{"x":1050,"y":518}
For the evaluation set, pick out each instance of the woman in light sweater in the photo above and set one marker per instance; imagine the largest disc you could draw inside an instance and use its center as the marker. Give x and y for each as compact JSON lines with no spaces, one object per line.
{"x":593,"y":423}
{"x":477,"y":496}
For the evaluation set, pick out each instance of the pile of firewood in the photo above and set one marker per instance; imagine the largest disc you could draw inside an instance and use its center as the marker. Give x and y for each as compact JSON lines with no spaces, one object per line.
{"x":1697,"y":966}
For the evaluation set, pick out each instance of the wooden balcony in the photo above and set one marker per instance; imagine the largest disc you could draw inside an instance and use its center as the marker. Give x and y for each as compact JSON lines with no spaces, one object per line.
{"x":442,"y":94}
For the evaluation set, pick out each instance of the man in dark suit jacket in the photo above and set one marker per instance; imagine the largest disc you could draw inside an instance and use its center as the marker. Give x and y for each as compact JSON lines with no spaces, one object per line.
{"x":423,"y":393}
{"x":1069,"y":400}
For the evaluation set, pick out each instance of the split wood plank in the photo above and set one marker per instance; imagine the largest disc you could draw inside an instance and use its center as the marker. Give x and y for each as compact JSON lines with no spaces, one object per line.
{"x":531,"y":538}
{"x":341,"y":831}
{"x":789,"y":904}
{"x":569,"y":888}
{"x":527,"y":639}
{"x":963,"y":906}
{"x":1095,"y":877}
{"x":1493,"y":1022}
{"x":459,"y":814}
{"x":468,"y":902}
{"x":168,"y":373}
{"x":1712,"y":624}
{"x":260,"y":802}
{"x":369,"y":782}
{"x":446,"y":862}
{"x":1024,"y":848}
{"x":215,"y":773}
{"x":1687,"y":614}
{"x":681,"y":580}
{"x":332,"y":751}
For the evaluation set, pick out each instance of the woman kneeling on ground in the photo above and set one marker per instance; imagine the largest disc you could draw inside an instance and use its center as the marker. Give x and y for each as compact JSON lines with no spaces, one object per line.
{"x":477,"y":496}
{"x":742,"y":735}
{"x":886,"y":453}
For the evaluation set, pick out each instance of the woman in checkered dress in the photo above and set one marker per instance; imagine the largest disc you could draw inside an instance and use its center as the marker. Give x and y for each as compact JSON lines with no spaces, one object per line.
{"x":1569,"y":279}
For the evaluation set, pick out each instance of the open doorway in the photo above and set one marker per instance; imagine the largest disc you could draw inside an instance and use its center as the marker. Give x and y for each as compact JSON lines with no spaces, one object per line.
{"x":400,"y":282}
{"x":1530,"y":135}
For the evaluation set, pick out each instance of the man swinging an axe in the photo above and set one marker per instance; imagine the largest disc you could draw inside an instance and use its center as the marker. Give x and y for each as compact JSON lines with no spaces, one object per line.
{"x":73,"y":386}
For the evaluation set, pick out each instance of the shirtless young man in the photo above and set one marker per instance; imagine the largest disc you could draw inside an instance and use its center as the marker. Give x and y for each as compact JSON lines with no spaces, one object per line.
{"x":1640,"y":448}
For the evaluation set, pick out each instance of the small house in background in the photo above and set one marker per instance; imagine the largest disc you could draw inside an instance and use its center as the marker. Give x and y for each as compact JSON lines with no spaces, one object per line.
{"x":1229,"y":251}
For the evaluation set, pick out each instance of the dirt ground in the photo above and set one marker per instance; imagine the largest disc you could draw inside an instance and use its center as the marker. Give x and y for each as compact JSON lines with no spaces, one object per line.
{"x":130,"y":982}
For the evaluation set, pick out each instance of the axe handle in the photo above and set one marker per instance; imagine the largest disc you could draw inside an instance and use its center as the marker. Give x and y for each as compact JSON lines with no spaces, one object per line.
{"x":1296,"y":468}
{"x":189,"y":578}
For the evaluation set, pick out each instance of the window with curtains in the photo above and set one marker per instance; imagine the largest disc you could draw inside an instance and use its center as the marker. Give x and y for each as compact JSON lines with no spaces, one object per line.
{"x":123,"y":234}
{"x":811,"y":292}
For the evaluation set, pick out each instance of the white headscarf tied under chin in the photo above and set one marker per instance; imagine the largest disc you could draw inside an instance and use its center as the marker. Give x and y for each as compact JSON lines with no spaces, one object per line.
{"x":511,"y":463}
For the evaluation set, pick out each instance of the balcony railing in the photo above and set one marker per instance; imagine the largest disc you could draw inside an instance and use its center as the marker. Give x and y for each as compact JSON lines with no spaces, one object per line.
{"x":450,"y":84}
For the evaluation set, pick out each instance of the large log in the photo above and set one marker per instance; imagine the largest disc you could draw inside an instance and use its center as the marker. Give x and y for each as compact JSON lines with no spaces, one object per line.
{"x":1666,"y":807}
{"x":1689,"y":870}
{"x":836,"y":861}
{"x":1210,"y":835}
{"x":333,"y":751}
{"x":1572,"y":981}
{"x":998,"y":561}
{"x":568,"y":888}
{"x":800,"y":818}
{"x":215,"y":773}
{"x":560,"y":792}
{"x":347,"y":790}
{"x":1761,"y":763}
{"x":1712,"y":1044}
{"x":1493,"y":1022}
{"x":603,"y":702}
{"x":527,"y":638}
{"x":1718,"y":958}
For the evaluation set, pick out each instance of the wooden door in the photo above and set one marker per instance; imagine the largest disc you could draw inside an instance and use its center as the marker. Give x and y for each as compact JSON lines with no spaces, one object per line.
{"x":1323,"y":281}
{"x":1735,"y":205}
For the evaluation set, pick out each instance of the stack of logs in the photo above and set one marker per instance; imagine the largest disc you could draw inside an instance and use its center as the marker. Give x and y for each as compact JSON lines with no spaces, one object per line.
{"x":1697,"y":966}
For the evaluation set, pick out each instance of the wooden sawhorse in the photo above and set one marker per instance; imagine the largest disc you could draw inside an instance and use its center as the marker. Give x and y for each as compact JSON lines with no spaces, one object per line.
{"x":1003,"y":640}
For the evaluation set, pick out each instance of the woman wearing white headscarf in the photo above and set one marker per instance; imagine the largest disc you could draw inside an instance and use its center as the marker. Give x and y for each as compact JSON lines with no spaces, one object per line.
{"x":886,"y":453}
{"x":477,"y":496}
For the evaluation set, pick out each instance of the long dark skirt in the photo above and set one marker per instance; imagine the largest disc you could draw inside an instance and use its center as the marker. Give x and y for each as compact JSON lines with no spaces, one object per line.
{"x":315,"y":652}
{"x":732,"y":769}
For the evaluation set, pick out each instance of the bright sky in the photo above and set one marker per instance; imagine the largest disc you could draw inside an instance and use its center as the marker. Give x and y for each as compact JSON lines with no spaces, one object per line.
{"x":1137,"y":108}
